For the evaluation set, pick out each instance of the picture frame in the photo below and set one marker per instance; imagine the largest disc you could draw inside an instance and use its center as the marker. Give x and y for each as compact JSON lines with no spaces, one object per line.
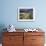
{"x":26,"y":14}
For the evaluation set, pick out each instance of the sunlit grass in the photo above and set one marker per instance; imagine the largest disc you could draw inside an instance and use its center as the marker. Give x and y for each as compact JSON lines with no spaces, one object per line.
{"x":26,"y":16}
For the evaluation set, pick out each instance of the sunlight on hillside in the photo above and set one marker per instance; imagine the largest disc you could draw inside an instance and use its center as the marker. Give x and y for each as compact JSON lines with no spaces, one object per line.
{"x":26,"y":16}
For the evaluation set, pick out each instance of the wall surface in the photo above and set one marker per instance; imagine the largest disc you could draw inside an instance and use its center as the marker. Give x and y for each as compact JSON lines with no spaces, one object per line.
{"x":8,"y":13}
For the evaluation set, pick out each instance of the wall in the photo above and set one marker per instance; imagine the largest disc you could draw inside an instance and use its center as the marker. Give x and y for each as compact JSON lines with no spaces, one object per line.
{"x":9,"y":13}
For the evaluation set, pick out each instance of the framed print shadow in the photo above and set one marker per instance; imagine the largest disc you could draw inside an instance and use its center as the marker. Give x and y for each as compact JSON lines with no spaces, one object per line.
{"x":26,"y":14}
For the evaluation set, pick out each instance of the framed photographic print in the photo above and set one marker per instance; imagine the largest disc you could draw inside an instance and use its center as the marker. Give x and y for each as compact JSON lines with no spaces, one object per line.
{"x":26,"y":14}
